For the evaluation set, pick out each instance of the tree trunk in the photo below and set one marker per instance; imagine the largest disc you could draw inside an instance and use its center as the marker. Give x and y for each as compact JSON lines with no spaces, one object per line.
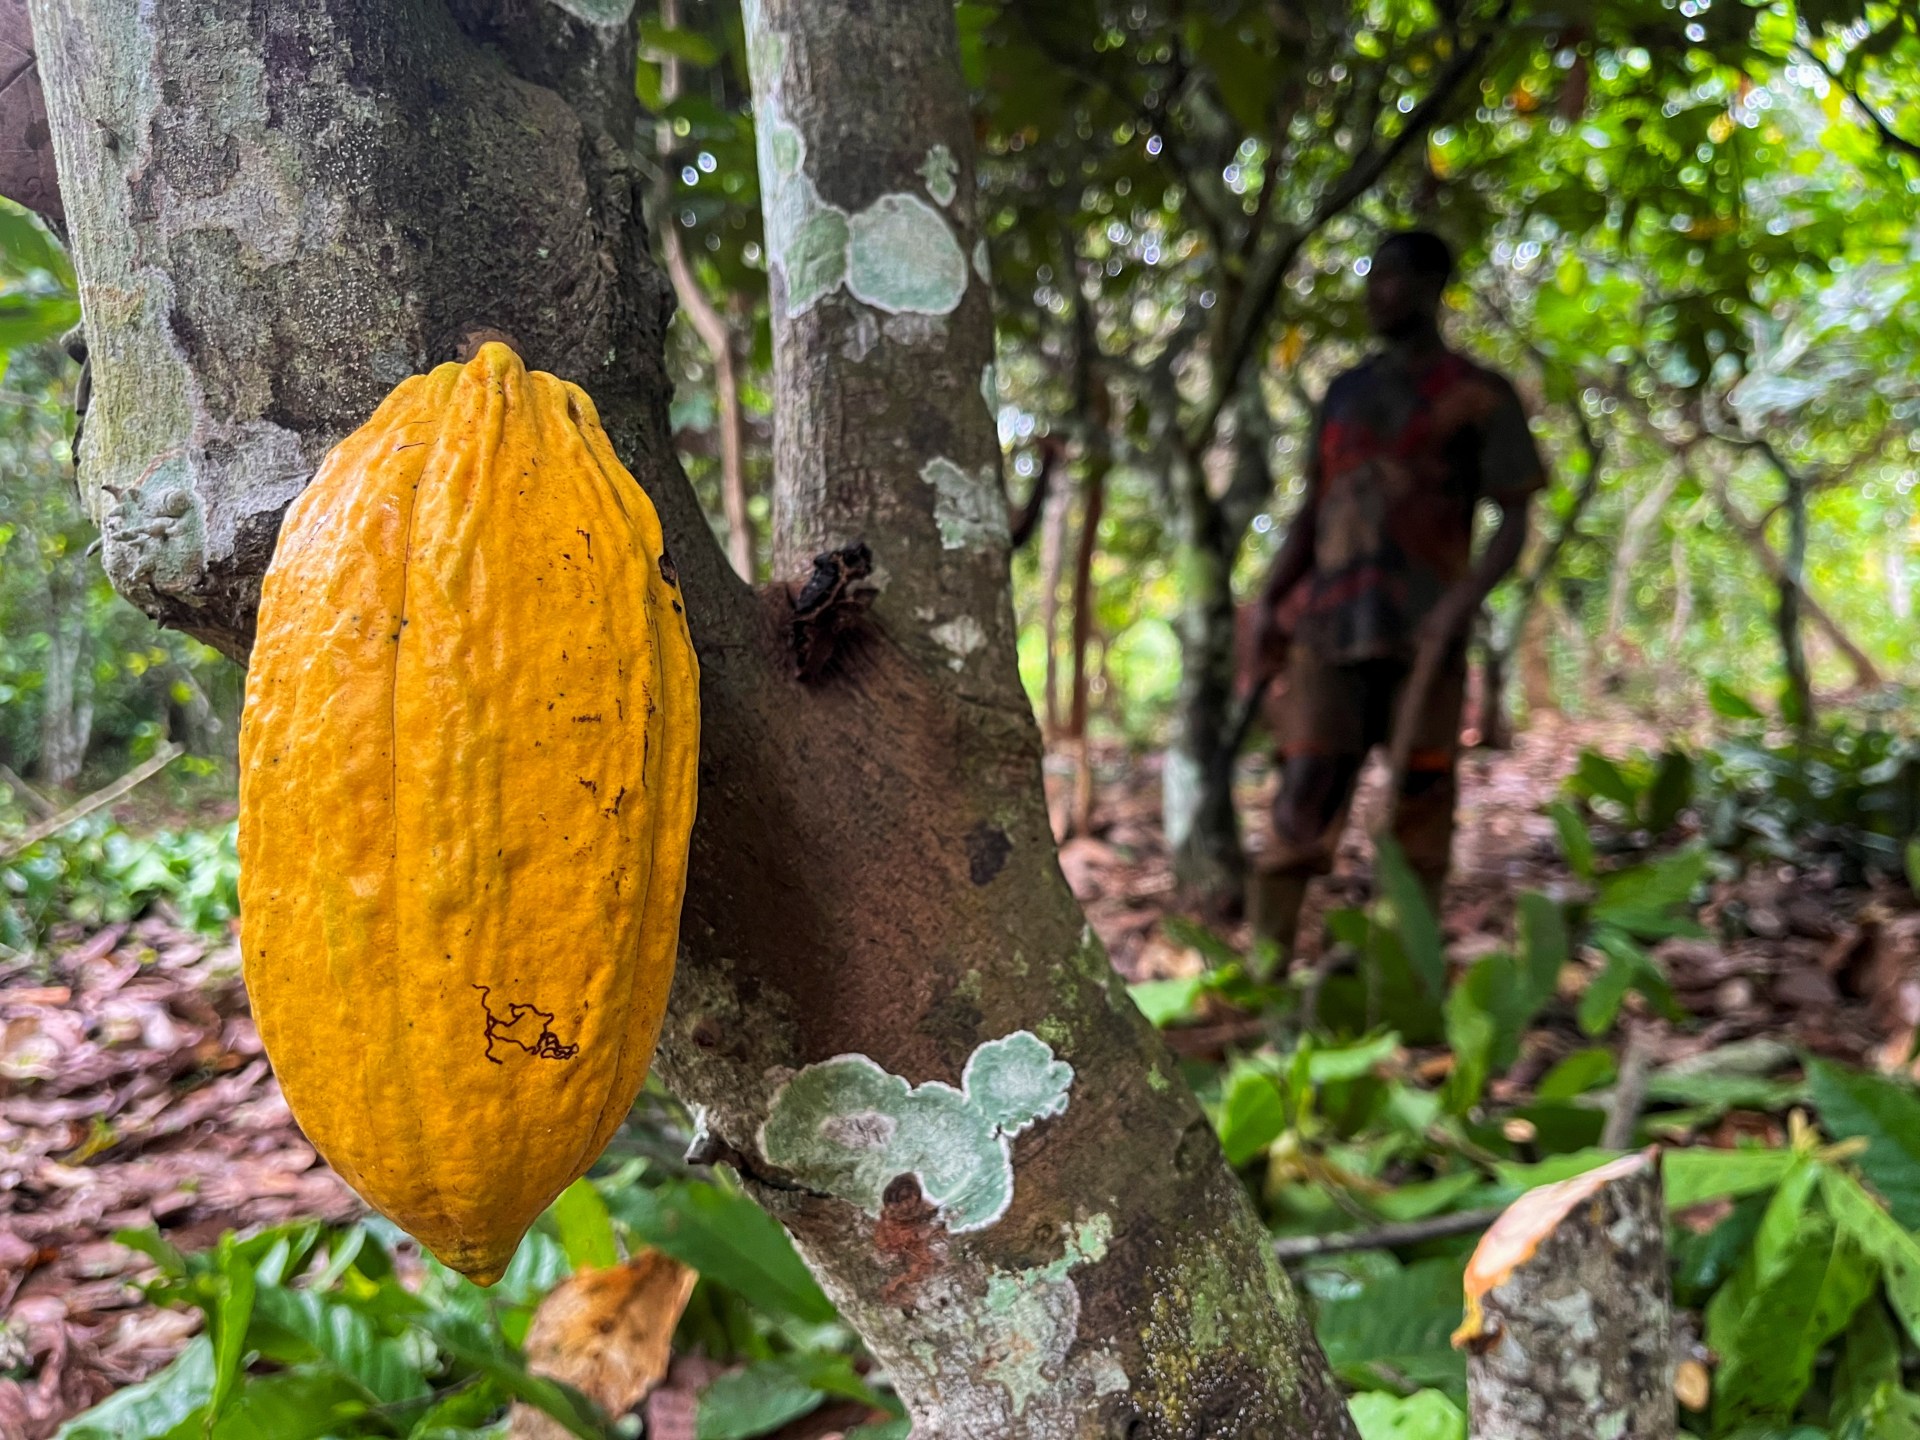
{"x":1866,"y":674}
{"x":1635,"y":535}
{"x":1796,"y":695}
{"x":1093,"y":501}
{"x":1055,"y":511}
{"x":1203,"y":828}
{"x":281,"y":211}
{"x":66,"y":699}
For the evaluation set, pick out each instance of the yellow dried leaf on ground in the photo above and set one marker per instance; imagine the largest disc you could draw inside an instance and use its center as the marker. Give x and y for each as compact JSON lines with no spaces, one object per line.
{"x":608,"y":1333}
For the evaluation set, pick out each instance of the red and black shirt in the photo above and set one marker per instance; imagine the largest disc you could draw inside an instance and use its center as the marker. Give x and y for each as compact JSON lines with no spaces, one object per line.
{"x":1403,"y":453}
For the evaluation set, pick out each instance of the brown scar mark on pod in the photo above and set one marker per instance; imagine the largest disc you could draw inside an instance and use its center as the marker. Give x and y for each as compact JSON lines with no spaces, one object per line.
{"x":518,"y":1028}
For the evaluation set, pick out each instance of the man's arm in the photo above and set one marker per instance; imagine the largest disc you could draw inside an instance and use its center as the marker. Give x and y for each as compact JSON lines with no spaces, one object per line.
{"x":1450,"y":617}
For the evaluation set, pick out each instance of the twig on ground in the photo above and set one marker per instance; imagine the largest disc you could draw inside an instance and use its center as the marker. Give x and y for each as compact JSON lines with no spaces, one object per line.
{"x":1385,"y":1237}
{"x":1630,"y":1091}
{"x":106,"y":795}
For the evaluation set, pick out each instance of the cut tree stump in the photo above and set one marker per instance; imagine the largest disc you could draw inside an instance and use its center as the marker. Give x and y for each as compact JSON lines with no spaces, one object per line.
{"x":1569,"y":1327}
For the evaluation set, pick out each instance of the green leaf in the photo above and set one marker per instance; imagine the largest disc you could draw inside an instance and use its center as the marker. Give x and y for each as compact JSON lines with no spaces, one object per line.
{"x":467,"y":1341}
{"x":1694,"y":1176}
{"x":1887,"y":1114}
{"x":1670,"y":792}
{"x":1575,"y":843}
{"x":1544,"y":945}
{"x":1869,"y":1362}
{"x":1252,"y":1115}
{"x":299,"y":1327}
{"x":687,"y":45}
{"x":1578,"y":1073}
{"x":1769,"y":1323}
{"x":297,"y":1405}
{"x":1858,"y":1214}
{"x":728,"y":1239}
{"x":228,"y":1319}
{"x":1165,"y":1001}
{"x":750,"y":1402}
{"x":1595,"y":774}
{"x":1729,"y":704}
{"x":154,"y":1407}
{"x":1423,"y":1415}
{"x":1402,"y":1318}
{"x":586,"y":1229}
{"x":1413,"y":918}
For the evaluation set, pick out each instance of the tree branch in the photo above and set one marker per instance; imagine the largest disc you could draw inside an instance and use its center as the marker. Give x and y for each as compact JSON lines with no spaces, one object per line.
{"x":1270,"y":269}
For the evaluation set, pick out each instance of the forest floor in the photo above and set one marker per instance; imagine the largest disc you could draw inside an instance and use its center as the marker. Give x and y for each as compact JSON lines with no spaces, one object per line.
{"x":133,"y":1091}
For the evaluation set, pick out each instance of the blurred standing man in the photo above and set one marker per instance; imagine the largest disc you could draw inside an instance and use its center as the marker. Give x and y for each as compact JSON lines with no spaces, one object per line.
{"x":1405,"y":447}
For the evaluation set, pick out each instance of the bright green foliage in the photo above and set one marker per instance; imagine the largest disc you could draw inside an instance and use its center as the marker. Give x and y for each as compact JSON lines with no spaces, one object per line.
{"x":97,"y":873}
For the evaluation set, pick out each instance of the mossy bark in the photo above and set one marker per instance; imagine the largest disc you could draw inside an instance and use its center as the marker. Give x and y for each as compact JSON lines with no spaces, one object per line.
{"x":279,"y":211}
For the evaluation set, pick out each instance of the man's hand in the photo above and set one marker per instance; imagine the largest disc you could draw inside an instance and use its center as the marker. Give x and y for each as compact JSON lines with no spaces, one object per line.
{"x":1448,"y":620}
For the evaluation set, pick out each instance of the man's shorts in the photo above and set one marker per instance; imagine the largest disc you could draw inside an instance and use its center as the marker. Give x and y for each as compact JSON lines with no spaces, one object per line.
{"x":1344,"y":709}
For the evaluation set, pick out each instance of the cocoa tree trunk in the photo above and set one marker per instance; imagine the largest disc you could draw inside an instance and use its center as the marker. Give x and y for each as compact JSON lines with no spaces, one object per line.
{"x":66,"y":696}
{"x":280,"y":211}
{"x":1203,"y":828}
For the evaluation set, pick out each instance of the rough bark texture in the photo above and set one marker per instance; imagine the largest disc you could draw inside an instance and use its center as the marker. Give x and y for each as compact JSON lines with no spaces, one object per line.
{"x":889,"y":1013}
{"x":1576,"y":1343}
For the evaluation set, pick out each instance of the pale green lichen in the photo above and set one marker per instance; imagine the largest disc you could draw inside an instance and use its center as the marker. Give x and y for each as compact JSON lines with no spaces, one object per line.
{"x":990,"y":391}
{"x":981,"y":266}
{"x":1042,"y":1307}
{"x":902,"y":257}
{"x":899,"y":255}
{"x":846,"y":1127}
{"x":968,"y":507}
{"x":938,"y":170}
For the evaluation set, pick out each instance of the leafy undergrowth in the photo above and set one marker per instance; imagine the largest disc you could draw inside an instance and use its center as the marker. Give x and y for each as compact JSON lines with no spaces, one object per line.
{"x":1690,"y":950}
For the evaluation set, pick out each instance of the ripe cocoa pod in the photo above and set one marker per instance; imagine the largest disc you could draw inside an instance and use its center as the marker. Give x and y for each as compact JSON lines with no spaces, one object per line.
{"x":467,"y":785}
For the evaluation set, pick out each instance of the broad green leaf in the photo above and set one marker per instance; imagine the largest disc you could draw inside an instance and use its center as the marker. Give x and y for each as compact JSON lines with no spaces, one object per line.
{"x":1578,"y":1073}
{"x":1402,"y":1318}
{"x":1413,"y":918}
{"x":729,"y":1239}
{"x":150,"y":1409}
{"x":1425,"y":1197}
{"x":1769,"y":1322}
{"x":1575,"y":843}
{"x":1730,"y":704}
{"x":1544,"y":946}
{"x":467,"y":1341}
{"x":688,"y":45}
{"x":299,"y":1327}
{"x":1869,"y":1362}
{"x":586,"y":1229}
{"x":753,"y":1401}
{"x":1694,"y":1176}
{"x":296,"y":1405}
{"x":228,"y":1319}
{"x":1595,"y":774}
{"x":1670,"y":792}
{"x":1165,"y":1001}
{"x":1886,"y":1113}
{"x":1423,"y":1415}
{"x":1252,"y":1115}
{"x":1859,"y":1215}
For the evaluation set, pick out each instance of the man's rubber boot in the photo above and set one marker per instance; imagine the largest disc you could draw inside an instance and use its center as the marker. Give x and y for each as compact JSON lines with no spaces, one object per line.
{"x":1274,"y":900}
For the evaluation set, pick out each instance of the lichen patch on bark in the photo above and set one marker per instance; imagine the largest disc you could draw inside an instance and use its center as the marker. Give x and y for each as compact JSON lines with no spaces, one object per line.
{"x":845,"y":1127}
{"x":967,"y":505}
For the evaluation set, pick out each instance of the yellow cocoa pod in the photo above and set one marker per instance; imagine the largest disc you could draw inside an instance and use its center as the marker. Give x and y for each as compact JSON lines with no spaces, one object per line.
{"x":467,"y":784}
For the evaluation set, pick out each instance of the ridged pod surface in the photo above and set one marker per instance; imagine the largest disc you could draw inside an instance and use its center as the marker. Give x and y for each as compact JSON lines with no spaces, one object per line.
{"x":467,"y":785}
